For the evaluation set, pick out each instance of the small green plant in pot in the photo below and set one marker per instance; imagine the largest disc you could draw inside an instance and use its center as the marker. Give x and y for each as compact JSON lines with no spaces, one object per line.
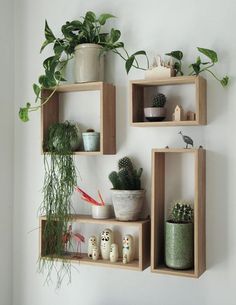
{"x":127,"y":194}
{"x":86,"y":40}
{"x":158,"y":111}
{"x":179,"y":237}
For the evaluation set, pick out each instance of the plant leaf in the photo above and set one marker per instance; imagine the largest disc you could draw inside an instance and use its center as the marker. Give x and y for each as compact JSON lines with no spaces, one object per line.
{"x":24,"y":113}
{"x":46,"y":42}
{"x":90,"y":16}
{"x":209,"y":53}
{"x":103,"y":18}
{"x":115,"y":35}
{"x":225,"y":80}
{"x":196,"y":68}
{"x":176,"y":54}
{"x":36,"y":89}
{"x":129,"y":63}
{"x":139,"y":53}
{"x":48,"y":33}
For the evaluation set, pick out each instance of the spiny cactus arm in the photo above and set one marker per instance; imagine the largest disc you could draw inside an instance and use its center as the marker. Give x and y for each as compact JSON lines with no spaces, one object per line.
{"x":126,"y":180}
{"x":125,"y":163}
{"x":114,"y":178}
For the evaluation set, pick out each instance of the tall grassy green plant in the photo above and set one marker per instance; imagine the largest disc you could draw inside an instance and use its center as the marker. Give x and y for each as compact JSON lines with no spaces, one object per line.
{"x":59,"y":183}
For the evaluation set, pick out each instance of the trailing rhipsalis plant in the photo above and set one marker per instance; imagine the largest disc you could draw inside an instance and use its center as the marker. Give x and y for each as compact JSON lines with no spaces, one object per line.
{"x":127,"y":178}
{"x":159,"y":100}
{"x":181,"y":212}
{"x":87,"y":30}
{"x":199,"y":65}
{"x":59,"y":183}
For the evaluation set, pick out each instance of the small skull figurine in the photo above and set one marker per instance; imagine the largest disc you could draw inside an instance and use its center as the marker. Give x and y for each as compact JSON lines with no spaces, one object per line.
{"x":92,"y":242}
{"x":114,"y":253}
{"x":128,"y":248}
{"x":95,"y":253}
{"x":106,"y":241}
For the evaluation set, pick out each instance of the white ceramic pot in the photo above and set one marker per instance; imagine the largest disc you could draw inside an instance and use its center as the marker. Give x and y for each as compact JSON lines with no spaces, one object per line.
{"x":89,"y":63}
{"x":128,"y":204}
{"x":155,"y":114}
{"x":91,"y":141}
{"x":101,"y":211}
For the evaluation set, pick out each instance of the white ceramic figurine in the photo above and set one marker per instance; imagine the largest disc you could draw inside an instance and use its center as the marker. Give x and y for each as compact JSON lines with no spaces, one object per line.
{"x":128,"y":248}
{"x":106,"y":241}
{"x":95,"y":253}
{"x":92,"y":242}
{"x":114,"y":253}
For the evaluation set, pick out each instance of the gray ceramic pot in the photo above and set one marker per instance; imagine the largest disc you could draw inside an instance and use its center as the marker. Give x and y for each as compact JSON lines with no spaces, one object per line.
{"x":179,"y":245}
{"x":155,"y":114}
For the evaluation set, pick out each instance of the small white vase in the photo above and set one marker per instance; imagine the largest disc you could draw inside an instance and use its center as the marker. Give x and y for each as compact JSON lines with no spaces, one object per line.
{"x":101,"y":211}
{"x":89,"y":63}
{"x":91,"y":141}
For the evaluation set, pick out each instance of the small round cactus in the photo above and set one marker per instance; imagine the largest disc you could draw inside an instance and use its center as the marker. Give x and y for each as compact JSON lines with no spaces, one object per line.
{"x":159,"y":100}
{"x":181,"y":212}
{"x":125,"y":162}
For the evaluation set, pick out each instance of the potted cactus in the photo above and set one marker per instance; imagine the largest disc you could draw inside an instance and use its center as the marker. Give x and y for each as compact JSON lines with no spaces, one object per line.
{"x":91,"y":140}
{"x":127,"y":195}
{"x":158,"y":111}
{"x":179,"y":237}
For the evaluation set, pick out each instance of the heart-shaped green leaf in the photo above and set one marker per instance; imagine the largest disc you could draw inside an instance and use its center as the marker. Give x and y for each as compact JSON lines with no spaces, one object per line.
{"x":209,"y":53}
{"x":176,"y":54}
{"x":103,"y":18}
{"x":129,"y":63}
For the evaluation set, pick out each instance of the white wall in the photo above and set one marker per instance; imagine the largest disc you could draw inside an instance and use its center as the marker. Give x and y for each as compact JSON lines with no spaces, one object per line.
{"x":6,"y":151}
{"x":156,"y":26}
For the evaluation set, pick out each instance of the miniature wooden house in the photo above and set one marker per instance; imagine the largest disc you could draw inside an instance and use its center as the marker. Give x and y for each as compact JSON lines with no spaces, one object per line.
{"x":178,"y":114}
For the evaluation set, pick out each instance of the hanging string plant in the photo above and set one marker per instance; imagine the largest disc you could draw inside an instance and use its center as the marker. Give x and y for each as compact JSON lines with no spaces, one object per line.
{"x":59,"y":183}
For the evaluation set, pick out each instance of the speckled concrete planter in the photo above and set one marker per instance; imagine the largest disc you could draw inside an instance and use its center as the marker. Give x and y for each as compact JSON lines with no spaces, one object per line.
{"x":179,"y":245}
{"x":128,"y":204}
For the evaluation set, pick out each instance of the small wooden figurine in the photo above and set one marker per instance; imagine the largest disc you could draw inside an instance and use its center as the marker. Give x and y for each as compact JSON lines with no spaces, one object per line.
{"x":178,"y":115}
{"x":191,"y":116}
{"x":128,"y":248}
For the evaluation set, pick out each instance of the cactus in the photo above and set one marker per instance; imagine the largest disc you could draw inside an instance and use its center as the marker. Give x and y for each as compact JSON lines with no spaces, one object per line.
{"x":159,"y":100}
{"x":181,"y":212}
{"x":127,"y":178}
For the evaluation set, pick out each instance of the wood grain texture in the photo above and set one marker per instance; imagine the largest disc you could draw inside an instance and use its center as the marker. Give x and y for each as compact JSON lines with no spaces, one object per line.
{"x":158,"y":207}
{"x":137,"y":102}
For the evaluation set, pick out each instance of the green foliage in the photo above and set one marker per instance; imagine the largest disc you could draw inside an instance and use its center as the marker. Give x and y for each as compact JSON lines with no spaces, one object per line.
{"x":199,"y":66}
{"x":59,"y":182}
{"x":87,"y":30}
{"x":181,"y":212}
{"x":159,"y":100}
{"x":127,"y":178}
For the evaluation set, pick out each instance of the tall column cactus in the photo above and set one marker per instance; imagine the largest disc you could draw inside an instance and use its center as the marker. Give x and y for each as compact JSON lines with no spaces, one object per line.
{"x":127,"y":178}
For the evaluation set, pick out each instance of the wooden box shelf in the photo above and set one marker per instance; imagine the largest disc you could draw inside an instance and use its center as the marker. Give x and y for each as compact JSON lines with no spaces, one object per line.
{"x":138,"y":100}
{"x":158,"y":212}
{"x":139,"y":264}
{"x":50,"y":113}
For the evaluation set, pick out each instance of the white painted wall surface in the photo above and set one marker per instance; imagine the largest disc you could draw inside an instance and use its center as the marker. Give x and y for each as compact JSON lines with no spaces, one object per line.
{"x":158,"y":27}
{"x":6,"y":150}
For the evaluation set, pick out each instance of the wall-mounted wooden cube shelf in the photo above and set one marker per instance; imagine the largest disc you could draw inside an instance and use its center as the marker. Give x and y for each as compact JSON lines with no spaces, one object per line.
{"x":138,"y":100}
{"x":159,"y":157}
{"x":139,"y":263}
{"x":50,"y":113}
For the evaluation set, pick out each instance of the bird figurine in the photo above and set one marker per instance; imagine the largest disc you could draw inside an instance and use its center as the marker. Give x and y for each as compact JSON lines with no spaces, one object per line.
{"x":186,"y":139}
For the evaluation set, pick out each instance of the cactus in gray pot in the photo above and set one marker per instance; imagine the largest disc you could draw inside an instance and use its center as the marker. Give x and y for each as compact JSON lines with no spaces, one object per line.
{"x":127,"y":178}
{"x":181,"y":212}
{"x":159,"y":100}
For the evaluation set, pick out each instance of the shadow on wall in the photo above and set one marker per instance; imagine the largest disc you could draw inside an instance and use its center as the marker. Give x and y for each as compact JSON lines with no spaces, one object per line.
{"x":217,"y":209}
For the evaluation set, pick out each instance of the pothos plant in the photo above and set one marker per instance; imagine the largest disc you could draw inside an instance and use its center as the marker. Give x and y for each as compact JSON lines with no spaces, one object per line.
{"x":60,"y":180}
{"x":90,"y":29}
{"x":199,"y":65}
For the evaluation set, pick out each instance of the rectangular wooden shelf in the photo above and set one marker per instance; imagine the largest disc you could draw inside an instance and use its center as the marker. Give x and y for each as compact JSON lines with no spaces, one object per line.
{"x":50,"y":113}
{"x":158,"y":212}
{"x":143,"y":227}
{"x":137,"y":100}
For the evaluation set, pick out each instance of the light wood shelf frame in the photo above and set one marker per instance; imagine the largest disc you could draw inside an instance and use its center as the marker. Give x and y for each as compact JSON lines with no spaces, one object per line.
{"x":137,"y":87}
{"x":50,"y":113}
{"x":158,"y":212}
{"x":143,"y":227}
